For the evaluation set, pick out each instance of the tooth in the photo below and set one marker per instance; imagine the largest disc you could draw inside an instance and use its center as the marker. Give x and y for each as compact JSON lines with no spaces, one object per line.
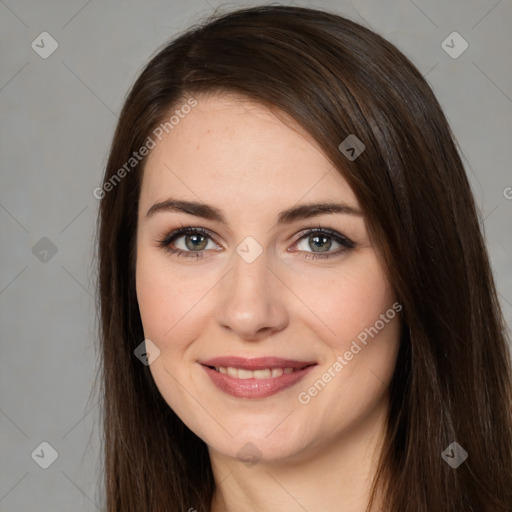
{"x":232,"y":372}
{"x":262,"y":374}
{"x":277,"y":372}
{"x":242,"y":373}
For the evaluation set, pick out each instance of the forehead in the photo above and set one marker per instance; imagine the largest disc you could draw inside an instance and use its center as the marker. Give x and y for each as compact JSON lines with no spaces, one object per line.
{"x":233,"y":151}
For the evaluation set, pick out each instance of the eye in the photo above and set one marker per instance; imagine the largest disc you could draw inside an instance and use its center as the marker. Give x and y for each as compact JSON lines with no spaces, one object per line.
{"x":189,"y":242}
{"x":320,"y":241}
{"x":192,"y":242}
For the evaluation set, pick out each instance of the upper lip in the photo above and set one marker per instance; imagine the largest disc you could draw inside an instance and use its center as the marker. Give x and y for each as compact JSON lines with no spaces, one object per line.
{"x":256,"y":363}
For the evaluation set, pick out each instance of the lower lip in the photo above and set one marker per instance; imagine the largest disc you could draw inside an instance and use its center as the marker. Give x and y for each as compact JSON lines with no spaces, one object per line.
{"x":255,"y":388}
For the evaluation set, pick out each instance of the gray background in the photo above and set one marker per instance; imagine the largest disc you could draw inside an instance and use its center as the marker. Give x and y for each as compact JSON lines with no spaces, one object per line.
{"x":57,"y":117}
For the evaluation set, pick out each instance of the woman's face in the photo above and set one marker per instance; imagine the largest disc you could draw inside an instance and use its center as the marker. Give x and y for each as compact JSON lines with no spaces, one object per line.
{"x":275,"y":340}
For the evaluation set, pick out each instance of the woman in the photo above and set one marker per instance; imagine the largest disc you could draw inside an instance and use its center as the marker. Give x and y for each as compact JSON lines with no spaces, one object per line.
{"x":297,"y":307}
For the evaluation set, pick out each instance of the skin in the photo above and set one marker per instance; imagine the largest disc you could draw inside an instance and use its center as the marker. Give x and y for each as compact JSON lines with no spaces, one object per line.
{"x":237,"y":155}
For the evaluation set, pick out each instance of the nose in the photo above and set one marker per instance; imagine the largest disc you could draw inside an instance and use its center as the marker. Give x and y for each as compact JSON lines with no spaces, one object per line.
{"x":250,"y":301}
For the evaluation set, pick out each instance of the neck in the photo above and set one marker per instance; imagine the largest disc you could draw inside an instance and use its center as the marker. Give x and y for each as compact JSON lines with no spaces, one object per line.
{"x":336,"y":476}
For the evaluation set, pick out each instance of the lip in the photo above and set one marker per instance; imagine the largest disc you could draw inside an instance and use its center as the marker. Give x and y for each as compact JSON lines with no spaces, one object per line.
{"x":255,"y":388}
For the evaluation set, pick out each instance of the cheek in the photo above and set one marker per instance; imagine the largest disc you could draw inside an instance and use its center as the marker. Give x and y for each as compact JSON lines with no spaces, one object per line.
{"x":154,"y":296}
{"x":165,"y":302}
{"x":166,"y":305}
{"x":366,"y":322}
{"x":356,"y":347}
{"x":362,"y":334}
{"x":362,"y":303}
{"x":350,"y":302}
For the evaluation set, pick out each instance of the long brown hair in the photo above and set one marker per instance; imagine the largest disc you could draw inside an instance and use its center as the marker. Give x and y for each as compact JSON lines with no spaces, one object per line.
{"x":453,"y":377}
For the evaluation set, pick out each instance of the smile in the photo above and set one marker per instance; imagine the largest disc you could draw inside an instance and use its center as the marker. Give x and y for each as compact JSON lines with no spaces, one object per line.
{"x":255,"y":378}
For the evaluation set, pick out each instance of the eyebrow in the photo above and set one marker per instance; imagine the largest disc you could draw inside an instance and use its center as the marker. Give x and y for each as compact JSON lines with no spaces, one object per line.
{"x":205,"y":211}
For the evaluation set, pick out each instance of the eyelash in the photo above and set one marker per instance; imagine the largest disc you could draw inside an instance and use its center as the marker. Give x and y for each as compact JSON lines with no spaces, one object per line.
{"x":178,"y":233}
